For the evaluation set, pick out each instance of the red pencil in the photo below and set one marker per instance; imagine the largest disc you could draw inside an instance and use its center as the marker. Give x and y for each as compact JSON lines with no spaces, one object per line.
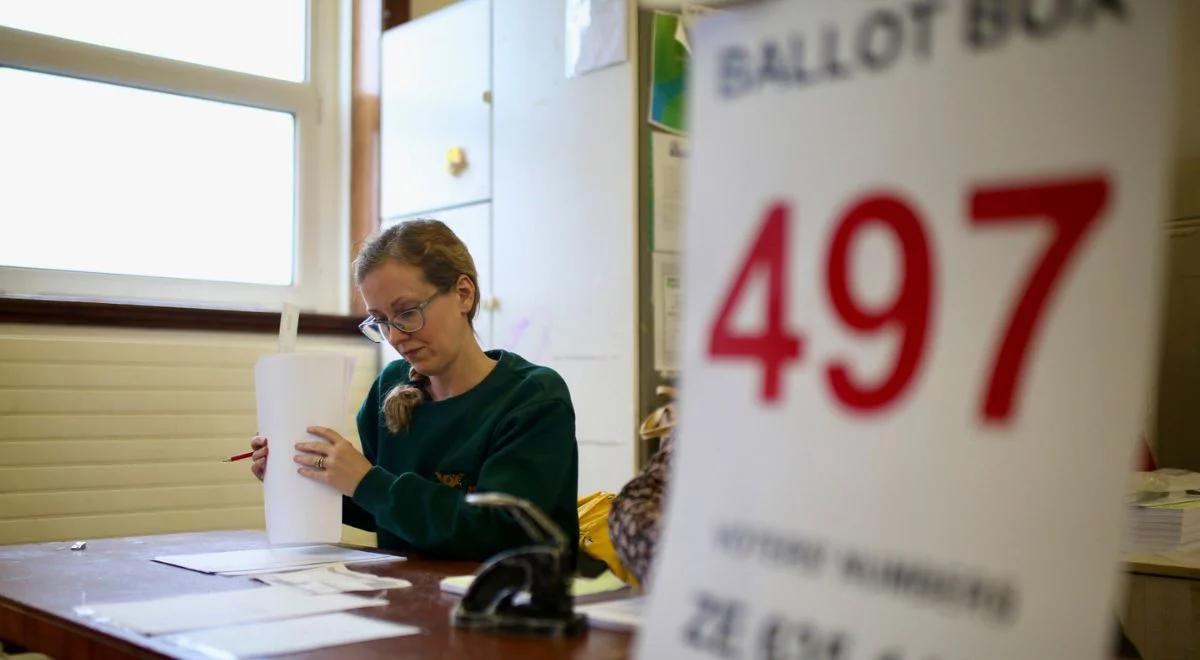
{"x":238,"y":457}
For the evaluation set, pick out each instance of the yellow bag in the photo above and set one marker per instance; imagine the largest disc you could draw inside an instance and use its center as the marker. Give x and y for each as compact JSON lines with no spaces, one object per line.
{"x":593,"y":533}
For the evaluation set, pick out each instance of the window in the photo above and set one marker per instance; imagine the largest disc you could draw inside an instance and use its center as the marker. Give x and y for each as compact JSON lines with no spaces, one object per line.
{"x":262,"y":37}
{"x":161,"y":150}
{"x":90,"y":164}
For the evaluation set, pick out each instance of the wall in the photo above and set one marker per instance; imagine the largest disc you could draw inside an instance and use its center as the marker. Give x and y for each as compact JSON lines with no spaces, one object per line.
{"x":112,"y":432}
{"x":422,"y":7}
{"x":1177,"y":422}
{"x":1185,"y":200}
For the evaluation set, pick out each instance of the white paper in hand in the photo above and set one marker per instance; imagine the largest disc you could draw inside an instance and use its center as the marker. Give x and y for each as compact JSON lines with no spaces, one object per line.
{"x":295,"y":391}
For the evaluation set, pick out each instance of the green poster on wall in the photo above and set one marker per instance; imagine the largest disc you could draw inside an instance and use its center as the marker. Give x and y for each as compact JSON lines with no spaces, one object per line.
{"x":668,"y":73}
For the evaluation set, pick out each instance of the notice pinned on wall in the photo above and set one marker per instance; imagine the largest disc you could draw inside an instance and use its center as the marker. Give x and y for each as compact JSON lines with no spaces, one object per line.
{"x":668,"y":155}
{"x":289,"y":326}
{"x":667,"y":312}
{"x":596,"y":36}
{"x":922,"y":270}
{"x":668,"y":74}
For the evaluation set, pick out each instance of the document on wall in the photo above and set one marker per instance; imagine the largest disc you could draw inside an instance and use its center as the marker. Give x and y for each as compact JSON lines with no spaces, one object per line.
{"x":668,"y":156}
{"x":596,"y":36}
{"x":667,"y":311}
{"x":290,"y":636}
{"x":242,"y":562}
{"x":922,"y":300}
{"x":295,"y":391}
{"x":211,"y":610}
{"x":668,"y":74}
{"x":689,"y":12}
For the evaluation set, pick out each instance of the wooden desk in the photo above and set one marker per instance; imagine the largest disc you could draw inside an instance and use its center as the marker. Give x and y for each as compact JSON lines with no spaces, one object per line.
{"x":1162,"y":604}
{"x":41,"y":584}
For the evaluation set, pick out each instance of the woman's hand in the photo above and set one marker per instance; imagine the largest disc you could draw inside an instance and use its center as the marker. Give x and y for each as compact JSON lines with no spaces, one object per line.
{"x":258,"y":462}
{"x":338,"y":464}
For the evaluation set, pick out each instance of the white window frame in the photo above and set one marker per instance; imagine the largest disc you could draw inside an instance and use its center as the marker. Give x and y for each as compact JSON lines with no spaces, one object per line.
{"x":320,"y":104}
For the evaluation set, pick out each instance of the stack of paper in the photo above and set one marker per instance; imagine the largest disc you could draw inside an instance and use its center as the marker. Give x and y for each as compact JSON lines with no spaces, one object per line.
{"x":303,"y":609}
{"x":295,"y":391}
{"x":250,"y":622}
{"x":1161,"y":527}
{"x":272,"y":560}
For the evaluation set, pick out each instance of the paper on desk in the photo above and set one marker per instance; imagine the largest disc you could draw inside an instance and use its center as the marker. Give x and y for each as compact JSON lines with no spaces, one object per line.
{"x":302,"y":567}
{"x":291,"y":636}
{"x":295,"y":391}
{"x":1167,"y":558}
{"x":606,"y":582}
{"x":271,"y":560}
{"x":223,"y":608}
{"x":332,"y":579}
{"x":623,"y":614}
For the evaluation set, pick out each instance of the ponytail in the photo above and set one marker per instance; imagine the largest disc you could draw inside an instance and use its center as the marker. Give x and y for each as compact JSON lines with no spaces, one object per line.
{"x":399,"y":403}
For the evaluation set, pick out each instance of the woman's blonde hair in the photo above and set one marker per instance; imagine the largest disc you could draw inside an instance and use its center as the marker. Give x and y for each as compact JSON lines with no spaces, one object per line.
{"x":442,"y":257}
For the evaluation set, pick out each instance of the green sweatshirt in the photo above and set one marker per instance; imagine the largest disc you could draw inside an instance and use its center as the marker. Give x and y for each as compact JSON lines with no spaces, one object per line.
{"x":512,"y":433}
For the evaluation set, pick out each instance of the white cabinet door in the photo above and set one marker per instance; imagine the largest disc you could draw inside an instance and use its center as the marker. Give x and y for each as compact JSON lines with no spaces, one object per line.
{"x":435,"y":73}
{"x":564,"y":227}
{"x":473,"y":226}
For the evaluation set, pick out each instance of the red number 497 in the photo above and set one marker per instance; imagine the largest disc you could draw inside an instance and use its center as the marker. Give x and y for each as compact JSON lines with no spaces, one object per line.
{"x":1072,"y":206}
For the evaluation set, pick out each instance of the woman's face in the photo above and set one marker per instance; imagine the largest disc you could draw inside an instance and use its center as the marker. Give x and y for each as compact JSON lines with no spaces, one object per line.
{"x":393,"y":287}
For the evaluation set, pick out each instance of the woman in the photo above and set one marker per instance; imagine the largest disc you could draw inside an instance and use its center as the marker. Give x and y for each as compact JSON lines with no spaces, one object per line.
{"x":447,"y":419}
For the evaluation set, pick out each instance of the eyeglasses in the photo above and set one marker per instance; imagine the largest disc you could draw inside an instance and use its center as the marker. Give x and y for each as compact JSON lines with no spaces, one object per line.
{"x":408,"y":321}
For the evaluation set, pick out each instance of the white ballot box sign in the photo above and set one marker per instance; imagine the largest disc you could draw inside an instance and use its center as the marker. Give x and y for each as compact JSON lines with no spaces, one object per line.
{"x":921,"y":263}
{"x":295,"y":391}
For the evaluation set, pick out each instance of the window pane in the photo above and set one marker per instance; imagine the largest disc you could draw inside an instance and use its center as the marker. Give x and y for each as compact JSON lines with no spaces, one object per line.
{"x":263,"y":37}
{"x":110,"y":179}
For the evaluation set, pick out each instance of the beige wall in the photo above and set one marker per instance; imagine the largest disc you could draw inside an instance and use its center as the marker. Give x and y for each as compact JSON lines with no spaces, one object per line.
{"x":1177,"y":422}
{"x":112,"y":432}
{"x":422,"y":7}
{"x":1185,"y":198}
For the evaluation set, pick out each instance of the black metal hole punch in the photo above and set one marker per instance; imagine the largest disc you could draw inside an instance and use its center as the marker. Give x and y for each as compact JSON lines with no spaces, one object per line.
{"x":541,"y":570}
